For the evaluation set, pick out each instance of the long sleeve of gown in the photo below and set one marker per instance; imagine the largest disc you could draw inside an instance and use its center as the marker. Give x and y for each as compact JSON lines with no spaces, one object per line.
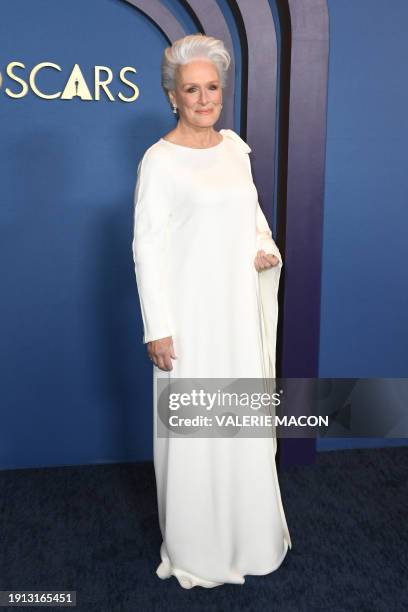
{"x":264,"y":238}
{"x":268,"y":286}
{"x":151,"y":221}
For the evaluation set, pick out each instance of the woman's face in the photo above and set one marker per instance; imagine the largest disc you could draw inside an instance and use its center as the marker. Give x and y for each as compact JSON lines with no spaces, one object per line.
{"x":198,"y":89}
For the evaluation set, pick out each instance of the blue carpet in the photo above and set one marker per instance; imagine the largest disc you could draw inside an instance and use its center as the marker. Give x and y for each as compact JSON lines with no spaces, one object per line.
{"x":94,"y":529}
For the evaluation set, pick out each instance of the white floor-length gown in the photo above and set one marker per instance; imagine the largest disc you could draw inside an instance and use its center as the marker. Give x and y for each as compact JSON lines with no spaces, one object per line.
{"x":197,"y":228}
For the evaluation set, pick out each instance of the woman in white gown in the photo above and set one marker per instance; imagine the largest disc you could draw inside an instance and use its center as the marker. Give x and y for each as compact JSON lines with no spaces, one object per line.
{"x":207,"y":272}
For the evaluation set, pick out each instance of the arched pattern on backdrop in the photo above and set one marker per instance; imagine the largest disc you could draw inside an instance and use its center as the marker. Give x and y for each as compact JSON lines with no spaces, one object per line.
{"x":304,"y":101}
{"x":290,"y":154}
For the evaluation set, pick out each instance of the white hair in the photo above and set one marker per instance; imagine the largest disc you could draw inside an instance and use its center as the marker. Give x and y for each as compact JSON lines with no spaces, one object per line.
{"x":191,"y":47}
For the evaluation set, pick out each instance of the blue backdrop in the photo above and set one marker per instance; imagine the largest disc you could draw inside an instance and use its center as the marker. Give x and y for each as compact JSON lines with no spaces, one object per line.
{"x":76,"y":382}
{"x":364,"y":302}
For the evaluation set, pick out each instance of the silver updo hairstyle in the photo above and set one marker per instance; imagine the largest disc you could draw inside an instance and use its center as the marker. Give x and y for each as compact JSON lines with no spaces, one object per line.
{"x":192,"y":47}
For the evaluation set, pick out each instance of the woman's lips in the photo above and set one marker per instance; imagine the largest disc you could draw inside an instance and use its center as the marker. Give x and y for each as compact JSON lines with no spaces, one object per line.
{"x":204,"y":112}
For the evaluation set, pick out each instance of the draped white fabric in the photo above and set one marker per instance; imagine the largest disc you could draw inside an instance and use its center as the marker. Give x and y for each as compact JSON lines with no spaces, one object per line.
{"x":197,"y":228}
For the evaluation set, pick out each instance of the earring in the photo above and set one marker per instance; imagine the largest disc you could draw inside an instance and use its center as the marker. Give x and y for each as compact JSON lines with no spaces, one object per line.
{"x":174,"y":109}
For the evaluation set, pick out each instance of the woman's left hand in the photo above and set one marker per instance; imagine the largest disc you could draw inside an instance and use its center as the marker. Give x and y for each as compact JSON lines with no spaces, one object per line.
{"x":263,"y":260}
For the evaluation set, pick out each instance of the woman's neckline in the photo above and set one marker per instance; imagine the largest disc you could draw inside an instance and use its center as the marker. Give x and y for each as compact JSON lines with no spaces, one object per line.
{"x":173,"y":144}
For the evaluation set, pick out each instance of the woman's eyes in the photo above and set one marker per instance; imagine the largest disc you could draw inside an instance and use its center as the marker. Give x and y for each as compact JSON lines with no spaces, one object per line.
{"x":192,"y":89}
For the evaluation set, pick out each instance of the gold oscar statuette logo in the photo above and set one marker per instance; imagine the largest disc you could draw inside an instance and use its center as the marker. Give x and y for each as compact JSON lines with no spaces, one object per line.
{"x":75,"y":86}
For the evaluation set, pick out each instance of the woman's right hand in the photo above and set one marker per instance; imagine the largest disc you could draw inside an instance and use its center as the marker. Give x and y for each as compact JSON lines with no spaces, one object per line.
{"x":161,"y":352}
